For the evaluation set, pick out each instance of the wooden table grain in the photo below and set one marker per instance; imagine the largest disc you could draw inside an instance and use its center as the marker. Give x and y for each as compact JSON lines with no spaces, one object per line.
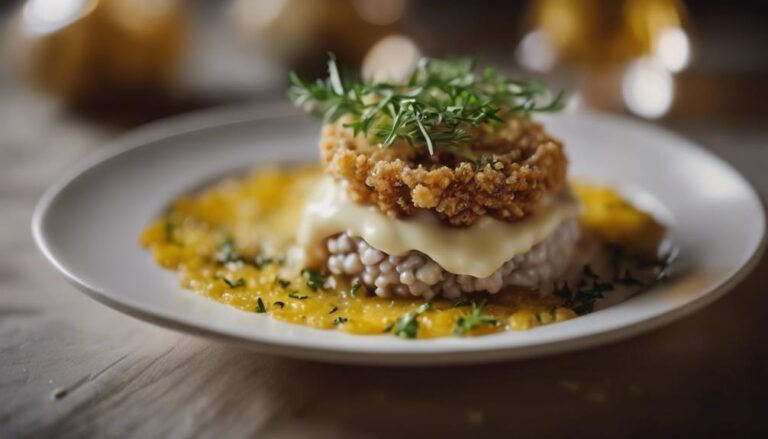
{"x":70,"y":367}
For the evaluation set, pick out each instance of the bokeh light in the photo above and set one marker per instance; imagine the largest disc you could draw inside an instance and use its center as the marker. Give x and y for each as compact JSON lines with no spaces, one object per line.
{"x":648,"y":88}
{"x":257,"y":14}
{"x":380,"y":12}
{"x":47,"y":16}
{"x":392,"y":58}
{"x":673,"y":49}
{"x":536,"y":51}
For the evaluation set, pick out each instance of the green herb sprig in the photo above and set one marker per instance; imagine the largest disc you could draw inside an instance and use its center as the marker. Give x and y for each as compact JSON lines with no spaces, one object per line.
{"x":476,"y":318}
{"x":296,"y":295}
{"x":260,"y":307}
{"x":589,"y":289}
{"x":407,"y":325}
{"x":170,"y":231}
{"x":262,"y":261}
{"x":236,"y":284}
{"x":355,"y":287}
{"x":435,"y":108}
{"x":315,"y":279}
{"x":227,"y":252}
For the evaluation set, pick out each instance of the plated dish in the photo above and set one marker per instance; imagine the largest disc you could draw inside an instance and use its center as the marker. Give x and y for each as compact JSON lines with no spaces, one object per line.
{"x":439,"y":208}
{"x":88,"y":222}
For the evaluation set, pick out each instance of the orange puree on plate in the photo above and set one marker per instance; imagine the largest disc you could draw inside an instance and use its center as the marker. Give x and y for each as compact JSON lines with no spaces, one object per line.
{"x":232,"y":243}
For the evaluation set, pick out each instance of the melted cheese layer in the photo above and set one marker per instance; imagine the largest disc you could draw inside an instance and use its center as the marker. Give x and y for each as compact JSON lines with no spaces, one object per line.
{"x":478,"y":250}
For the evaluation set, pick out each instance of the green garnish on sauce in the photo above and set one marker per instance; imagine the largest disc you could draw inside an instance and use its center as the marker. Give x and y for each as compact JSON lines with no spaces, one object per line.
{"x":476,"y":318}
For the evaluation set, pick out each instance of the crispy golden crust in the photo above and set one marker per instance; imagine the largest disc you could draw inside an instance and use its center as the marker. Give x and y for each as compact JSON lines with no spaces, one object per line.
{"x":525,"y":164}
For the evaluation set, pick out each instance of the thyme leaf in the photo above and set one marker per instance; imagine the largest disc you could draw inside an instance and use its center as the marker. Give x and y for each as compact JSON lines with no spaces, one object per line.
{"x":476,"y":318}
{"x":284,"y":283}
{"x":462,"y":303}
{"x":262,"y":261}
{"x":356,"y":284}
{"x":297,"y":296}
{"x":236,"y":284}
{"x":434,"y":109}
{"x":227,"y":252}
{"x":407,"y":325}
{"x":170,"y":231}
{"x":315,"y":279}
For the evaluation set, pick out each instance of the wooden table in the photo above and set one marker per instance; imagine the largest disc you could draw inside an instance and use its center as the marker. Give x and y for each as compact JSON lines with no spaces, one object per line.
{"x":71,"y":367}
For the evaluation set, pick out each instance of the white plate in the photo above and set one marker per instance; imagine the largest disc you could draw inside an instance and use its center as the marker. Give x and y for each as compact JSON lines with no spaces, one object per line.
{"x":88,"y":223}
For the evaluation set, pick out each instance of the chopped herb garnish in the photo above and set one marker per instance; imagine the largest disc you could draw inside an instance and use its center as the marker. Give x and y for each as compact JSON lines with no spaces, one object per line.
{"x":315,"y":279}
{"x":279,"y":304}
{"x":282,"y":282}
{"x":461,"y":303}
{"x":587,"y":272}
{"x":434,"y":109}
{"x":562,"y":291}
{"x":333,"y":310}
{"x":227,"y":252}
{"x":621,"y":258}
{"x":262,"y":261}
{"x":588,"y":290}
{"x":628,"y":279}
{"x":340,"y":320}
{"x":407,"y":325}
{"x":260,"y":308}
{"x":236,"y":284}
{"x":170,"y":230}
{"x":296,"y":295}
{"x":475,"y":318}
{"x":356,"y":284}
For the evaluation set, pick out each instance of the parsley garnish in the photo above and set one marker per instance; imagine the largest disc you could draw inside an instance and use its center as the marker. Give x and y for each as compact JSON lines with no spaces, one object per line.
{"x":260,"y":308}
{"x":333,"y":310}
{"x":355,"y":286}
{"x":170,"y":229}
{"x":434,"y":109}
{"x":296,"y":295}
{"x":461,"y":303}
{"x":262,"y":261}
{"x":279,"y":304}
{"x":282,"y":282}
{"x":236,"y":284}
{"x":475,"y":318}
{"x":227,"y":252}
{"x":339,"y":320}
{"x":588,"y":290}
{"x":407,"y":325}
{"x":315,"y":279}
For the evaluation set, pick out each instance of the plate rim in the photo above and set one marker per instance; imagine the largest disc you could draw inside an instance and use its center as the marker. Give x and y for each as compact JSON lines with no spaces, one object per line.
{"x":236,"y":114}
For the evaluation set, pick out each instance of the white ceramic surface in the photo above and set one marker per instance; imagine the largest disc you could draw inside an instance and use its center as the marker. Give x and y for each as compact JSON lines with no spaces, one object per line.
{"x":88,"y":223}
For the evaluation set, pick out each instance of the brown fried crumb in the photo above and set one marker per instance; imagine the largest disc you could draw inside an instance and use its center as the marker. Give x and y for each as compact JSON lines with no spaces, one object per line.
{"x":516,"y":167}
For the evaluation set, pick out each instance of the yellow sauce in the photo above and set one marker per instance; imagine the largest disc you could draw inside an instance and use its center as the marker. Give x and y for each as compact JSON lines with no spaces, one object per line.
{"x":612,"y":218}
{"x":259,"y":214}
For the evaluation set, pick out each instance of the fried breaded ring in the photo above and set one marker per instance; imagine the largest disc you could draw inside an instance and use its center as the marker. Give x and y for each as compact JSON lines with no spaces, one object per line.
{"x":522,"y":163}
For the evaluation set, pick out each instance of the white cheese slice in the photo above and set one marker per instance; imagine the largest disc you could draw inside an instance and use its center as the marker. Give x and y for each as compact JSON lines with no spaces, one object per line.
{"x":478,"y":250}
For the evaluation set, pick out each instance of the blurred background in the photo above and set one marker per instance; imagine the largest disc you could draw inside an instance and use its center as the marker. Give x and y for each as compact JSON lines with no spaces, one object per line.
{"x":126,"y":62}
{"x":74,"y":73}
